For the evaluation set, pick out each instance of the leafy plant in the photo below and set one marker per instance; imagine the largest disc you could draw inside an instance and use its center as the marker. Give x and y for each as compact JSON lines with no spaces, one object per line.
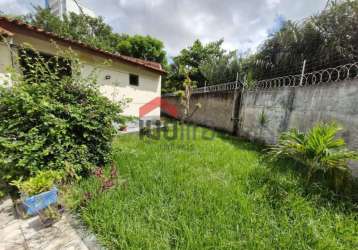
{"x":54,"y":118}
{"x":319,"y":150}
{"x":2,"y":194}
{"x":51,"y":215}
{"x":43,"y":181}
{"x":104,"y":181}
{"x":263,"y":119}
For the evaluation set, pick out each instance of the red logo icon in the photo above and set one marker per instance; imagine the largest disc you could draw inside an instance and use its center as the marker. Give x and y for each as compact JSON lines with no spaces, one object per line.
{"x":158,"y":102}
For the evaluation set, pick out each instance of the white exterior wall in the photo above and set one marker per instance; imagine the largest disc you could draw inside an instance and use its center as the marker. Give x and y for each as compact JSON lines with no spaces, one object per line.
{"x":5,"y":62}
{"x":116,"y":88}
{"x":5,"y":57}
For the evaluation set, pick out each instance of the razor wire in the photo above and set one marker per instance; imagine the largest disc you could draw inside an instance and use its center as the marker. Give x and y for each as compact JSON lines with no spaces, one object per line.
{"x":340,"y":73}
{"x":336,"y":74}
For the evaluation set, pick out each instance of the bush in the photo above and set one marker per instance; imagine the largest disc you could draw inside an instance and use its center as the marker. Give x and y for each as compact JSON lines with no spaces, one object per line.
{"x":52,"y":119}
{"x":319,"y":150}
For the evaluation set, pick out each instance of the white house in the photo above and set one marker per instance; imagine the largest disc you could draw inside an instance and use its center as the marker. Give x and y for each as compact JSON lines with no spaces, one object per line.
{"x":126,"y":77}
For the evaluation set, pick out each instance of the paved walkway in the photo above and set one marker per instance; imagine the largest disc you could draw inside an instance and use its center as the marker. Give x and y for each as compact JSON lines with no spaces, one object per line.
{"x":26,"y":234}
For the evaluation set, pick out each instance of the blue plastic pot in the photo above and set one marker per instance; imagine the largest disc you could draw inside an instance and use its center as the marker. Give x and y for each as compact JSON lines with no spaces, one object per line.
{"x":34,"y":204}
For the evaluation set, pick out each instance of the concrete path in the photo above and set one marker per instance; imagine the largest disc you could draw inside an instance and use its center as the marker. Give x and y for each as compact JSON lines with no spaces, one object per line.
{"x":16,"y":233}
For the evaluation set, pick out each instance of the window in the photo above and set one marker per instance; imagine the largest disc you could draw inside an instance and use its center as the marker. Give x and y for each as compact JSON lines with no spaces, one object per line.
{"x":133,"y":80}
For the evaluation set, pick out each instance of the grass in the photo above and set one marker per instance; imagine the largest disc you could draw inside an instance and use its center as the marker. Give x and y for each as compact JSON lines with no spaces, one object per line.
{"x":212,"y":194}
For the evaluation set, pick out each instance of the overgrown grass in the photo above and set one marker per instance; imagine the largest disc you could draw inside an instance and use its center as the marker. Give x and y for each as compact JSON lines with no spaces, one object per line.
{"x":212,"y":194}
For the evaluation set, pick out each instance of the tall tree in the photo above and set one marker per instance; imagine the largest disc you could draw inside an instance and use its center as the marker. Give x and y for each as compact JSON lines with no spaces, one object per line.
{"x":324,"y":40}
{"x":145,"y":47}
{"x":95,"y":32}
{"x":224,"y":68}
{"x":197,"y":60}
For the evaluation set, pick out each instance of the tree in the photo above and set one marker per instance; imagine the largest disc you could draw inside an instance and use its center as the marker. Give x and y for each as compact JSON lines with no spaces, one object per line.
{"x":145,"y":47}
{"x":87,"y":29}
{"x":185,"y":96}
{"x":95,"y":32}
{"x":200,"y":60}
{"x":221,"y":69}
{"x":327,"y":39}
{"x":193,"y":56}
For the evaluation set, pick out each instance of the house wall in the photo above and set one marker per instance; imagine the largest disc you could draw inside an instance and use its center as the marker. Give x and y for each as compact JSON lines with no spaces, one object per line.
{"x":5,"y":62}
{"x":5,"y":56}
{"x":117,"y":87}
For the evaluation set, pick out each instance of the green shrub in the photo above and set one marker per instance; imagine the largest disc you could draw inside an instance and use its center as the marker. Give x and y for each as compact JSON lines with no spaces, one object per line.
{"x":43,"y":181}
{"x":319,"y":150}
{"x":263,"y":119}
{"x":52,"y":120}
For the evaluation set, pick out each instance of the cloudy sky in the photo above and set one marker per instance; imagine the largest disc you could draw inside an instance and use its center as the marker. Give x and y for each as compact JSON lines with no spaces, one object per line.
{"x":243,"y":24}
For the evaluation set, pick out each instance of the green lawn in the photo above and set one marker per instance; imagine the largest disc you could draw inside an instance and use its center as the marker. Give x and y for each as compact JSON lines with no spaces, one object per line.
{"x":212,"y":194}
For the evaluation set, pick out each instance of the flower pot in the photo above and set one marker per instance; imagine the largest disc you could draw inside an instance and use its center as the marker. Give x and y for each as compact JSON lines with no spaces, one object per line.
{"x":34,"y":204}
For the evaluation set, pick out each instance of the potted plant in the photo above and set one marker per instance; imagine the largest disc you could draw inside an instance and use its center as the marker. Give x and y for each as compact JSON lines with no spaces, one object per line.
{"x":38,"y":192}
{"x":51,"y":215}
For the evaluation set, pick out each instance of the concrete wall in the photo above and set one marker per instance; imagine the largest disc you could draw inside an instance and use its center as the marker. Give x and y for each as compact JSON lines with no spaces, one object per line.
{"x":301,"y":108}
{"x":116,"y":88}
{"x":283,"y":108}
{"x":215,"y":112}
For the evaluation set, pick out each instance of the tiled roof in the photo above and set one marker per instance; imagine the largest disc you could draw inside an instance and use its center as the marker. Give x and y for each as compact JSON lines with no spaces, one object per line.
{"x":6,"y":24}
{"x":5,"y":32}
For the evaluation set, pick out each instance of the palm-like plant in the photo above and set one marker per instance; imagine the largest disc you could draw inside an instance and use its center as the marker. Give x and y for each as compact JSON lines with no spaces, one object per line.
{"x":319,"y":149}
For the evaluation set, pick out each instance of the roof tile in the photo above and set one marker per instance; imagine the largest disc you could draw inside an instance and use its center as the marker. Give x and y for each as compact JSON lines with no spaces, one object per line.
{"x":149,"y":65}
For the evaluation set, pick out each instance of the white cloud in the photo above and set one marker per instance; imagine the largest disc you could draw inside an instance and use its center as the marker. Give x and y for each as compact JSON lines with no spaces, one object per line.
{"x":243,"y":24}
{"x":10,"y":6}
{"x":272,"y":3}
